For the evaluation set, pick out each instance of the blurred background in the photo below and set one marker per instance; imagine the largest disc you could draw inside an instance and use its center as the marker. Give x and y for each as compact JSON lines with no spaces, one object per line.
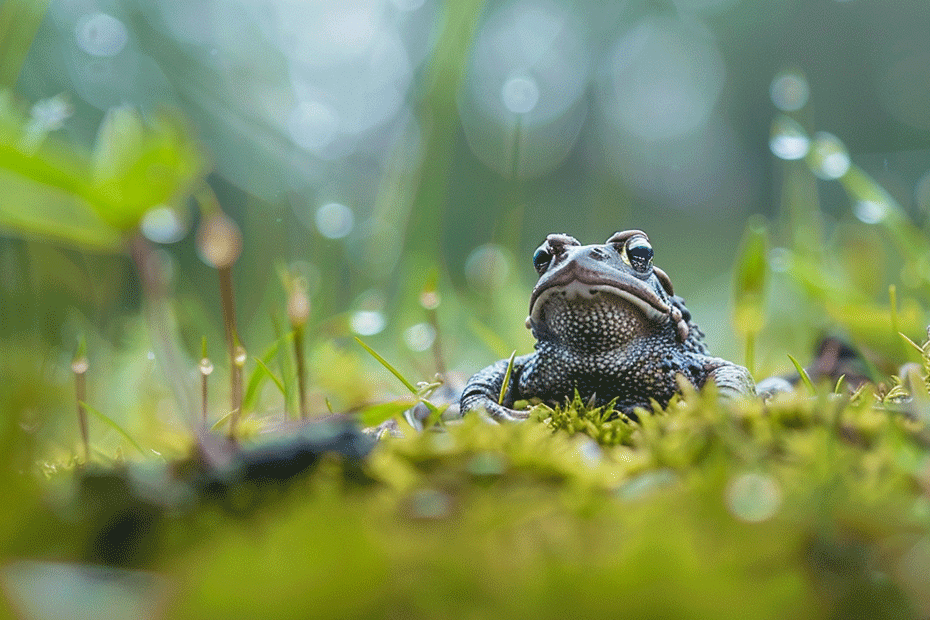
{"x":378,"y":149}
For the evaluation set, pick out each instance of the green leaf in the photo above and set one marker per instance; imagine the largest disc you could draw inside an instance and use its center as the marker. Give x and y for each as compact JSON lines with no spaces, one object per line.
{"x":138,"y":166}
{"x":804,"y":376}
{"x":500,"y":398}
{"x":382,"y":412}
{"x":387,"y":365}
{"x":750,"y":276}
{"x":119,"y":143}
{"x":119,"y":429}
{"x":32,"y":211}
{"x":259,"y":375}
{"x":435,"y":412}
{"x":219,"y":423}
{"x":19,"y":22}
{"x":277,"y":381}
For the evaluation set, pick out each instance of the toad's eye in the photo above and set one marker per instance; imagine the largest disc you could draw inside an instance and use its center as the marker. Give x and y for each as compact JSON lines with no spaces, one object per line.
{"x":639,"y":253}
{"x":541,"y":260}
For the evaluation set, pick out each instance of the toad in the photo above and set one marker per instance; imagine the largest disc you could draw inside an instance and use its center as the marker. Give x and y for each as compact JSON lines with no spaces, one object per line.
{"x":607,"y":324}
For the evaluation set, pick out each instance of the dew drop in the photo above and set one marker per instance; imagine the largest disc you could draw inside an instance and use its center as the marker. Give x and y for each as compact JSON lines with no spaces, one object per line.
{"x":334,"y":220}
{"x":100,"y":34}
{"x":239,"y":356}
{"x":161,"y":224}
{"x":753,"y":497}
{"x":789,"y":91}
{"x":206,"y":367}
{"x":871,"y":211}
{"x":828,"y":158}
{"x":520,"y":94}
{"x":789,"y":140}
{"x":367,"y":322}
{"x":420,"y":337}
{"x":80,"y":365}
{"x":150,"y":356}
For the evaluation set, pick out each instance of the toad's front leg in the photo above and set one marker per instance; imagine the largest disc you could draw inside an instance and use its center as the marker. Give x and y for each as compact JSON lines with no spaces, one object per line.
{"x":732,"y":381}
{"x":483,"y":391}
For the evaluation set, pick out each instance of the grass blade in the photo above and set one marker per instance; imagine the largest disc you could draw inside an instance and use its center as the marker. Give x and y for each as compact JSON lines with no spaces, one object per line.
{"x":500,"y":399}
{"x":258,"y":376}
{"x":387,"y":365}
{"x":912,"y":343}
{"x":222,"y":421}
{"x":116,"y":427}
{"x":277,"y":381}
{"x":804,"y":376}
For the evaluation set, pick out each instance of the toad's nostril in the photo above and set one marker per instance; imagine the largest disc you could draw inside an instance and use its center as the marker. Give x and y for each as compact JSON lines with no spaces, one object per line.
{"x":599,"y":254}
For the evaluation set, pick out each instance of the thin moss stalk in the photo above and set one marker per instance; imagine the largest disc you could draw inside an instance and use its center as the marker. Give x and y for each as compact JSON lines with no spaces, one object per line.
{"x":79,"y":367}
{"x":301,"y":371}
{"x":298,"y":311}
{"x":229,"y":324}
{"x":219,"y":243}
{"x":237,"y":364}
{"x":206,"y":369}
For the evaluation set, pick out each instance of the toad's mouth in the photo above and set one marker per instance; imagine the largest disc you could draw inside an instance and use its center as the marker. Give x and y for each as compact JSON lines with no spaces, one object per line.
{"x":632,"y":291}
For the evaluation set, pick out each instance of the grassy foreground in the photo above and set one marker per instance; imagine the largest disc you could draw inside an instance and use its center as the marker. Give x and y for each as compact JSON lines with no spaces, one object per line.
{"x":810,"y":507}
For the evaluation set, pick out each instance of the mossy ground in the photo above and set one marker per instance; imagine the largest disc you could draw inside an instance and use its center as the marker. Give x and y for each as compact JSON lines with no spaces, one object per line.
{"x":806,"y":507}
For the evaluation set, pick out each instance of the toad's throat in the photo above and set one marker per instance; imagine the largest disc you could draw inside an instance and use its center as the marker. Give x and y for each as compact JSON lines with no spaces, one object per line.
{"x":633,"y":292}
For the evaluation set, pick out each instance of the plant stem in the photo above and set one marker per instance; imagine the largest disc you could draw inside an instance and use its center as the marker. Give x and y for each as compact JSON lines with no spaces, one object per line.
{"x":301,"y":371}
{"x":203,"y":397}
{"x":80,"y":389}
{"x":232,"y":338}
{"x":161,"y":322}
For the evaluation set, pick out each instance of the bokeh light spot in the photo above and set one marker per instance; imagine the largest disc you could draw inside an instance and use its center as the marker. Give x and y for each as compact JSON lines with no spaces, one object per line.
{"x":367,"y":322}
{"x":313,"y":125}
{"x":828,"y":158}
{"x":789,"y":91}
{"x":789,"y":140}
{"x":520,"y":94}
{"x":100,"y":34}
{"x":664,"y":78}
{"x":334,"y":220}
{"x":420,"y":337}
{"x":487,"y":268}
{"x":163,"y":224}
{"x":753,"y":497}
{"x":870,"y":211}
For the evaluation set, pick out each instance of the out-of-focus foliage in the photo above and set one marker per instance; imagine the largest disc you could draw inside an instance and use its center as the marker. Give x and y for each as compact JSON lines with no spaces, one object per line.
{"x":57,"y":192}
{"x":398,"y":160}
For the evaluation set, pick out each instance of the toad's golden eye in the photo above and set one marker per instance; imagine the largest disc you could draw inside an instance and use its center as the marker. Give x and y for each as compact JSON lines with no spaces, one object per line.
{"x":639,"y":254}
